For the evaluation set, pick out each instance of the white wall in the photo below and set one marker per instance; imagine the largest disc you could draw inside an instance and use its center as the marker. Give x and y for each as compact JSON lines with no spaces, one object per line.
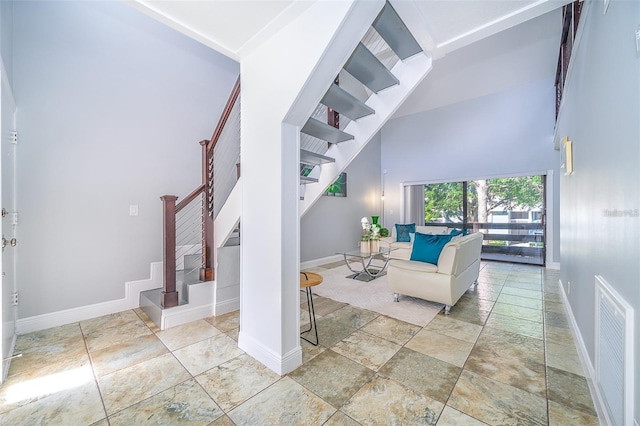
{"x":507,"y":133}
{"x":333,"y":223}
{"x":6,"y":37}
{"x":111,"y":107}
{"x":601,"y":115}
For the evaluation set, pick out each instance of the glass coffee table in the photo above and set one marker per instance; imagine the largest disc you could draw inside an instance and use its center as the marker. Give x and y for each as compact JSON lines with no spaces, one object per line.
{"x":374,"y":264}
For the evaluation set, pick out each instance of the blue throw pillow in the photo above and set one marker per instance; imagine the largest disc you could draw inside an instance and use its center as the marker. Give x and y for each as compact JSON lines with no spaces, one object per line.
{"x":456,"y":232}
{"x":402,"y":232}
{"x":427,"y":248}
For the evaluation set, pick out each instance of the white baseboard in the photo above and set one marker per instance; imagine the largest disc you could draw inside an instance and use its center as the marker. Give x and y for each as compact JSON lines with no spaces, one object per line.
{"x":131,"y":300}
{"x":226,"y":306}
{"x":585,"y":360}
{"x":321,"y":261}
{"x":279,"y":364}
{"x":176,"y":316}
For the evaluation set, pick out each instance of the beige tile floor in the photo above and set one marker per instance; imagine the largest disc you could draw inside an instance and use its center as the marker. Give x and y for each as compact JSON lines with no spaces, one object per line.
{"x":505,"y":355}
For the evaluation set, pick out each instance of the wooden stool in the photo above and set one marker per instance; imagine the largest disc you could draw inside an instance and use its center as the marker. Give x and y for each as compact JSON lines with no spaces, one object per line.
{"x":308,"y":280}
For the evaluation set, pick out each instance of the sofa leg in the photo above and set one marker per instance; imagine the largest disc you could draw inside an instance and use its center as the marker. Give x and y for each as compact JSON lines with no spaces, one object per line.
{"x":396,"y":297}
{"x":447,"y":308}
{"x":475,"y":283}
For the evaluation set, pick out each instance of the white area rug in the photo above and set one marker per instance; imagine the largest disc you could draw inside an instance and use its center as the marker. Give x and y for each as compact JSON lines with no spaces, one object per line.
{"x":375,"y":296}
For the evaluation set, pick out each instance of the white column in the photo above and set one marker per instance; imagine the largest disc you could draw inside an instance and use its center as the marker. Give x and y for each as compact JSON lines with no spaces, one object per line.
{"x":283,"y":80}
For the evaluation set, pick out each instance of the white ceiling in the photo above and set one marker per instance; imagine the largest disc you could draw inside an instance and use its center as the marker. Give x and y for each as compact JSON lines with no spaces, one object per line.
{"x":510,"y":58}
{"x":479,"y":46}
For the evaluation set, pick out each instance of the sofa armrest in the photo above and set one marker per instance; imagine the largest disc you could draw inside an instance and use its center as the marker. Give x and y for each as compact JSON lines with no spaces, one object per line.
{"x":447,"y":259}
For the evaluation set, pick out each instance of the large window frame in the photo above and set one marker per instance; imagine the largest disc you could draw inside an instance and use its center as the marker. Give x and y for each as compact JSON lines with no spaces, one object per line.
{"x":517,"y":241}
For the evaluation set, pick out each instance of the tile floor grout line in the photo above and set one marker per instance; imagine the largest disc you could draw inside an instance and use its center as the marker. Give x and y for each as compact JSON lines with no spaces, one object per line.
{"x":94,"y":373}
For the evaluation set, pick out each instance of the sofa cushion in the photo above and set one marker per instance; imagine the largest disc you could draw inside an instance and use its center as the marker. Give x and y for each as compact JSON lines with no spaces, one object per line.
{"x":434,"y":230}
{"x":402,"y":232}
{"x":400,"y":245}
{"x":413,"y":266}
{"x":427,"y":248}
{"x":456,"y":232}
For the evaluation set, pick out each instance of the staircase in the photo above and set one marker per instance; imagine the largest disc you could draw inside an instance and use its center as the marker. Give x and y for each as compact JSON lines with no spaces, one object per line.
{"x":384,"y":68}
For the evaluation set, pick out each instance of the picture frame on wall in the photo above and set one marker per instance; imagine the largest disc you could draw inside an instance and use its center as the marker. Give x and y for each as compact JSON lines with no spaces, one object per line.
{"x":566,"y":160}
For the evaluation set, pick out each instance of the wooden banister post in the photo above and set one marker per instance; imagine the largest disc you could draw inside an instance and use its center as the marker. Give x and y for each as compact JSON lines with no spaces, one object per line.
{"x":208,"y":243}
{"x":169,"y":295}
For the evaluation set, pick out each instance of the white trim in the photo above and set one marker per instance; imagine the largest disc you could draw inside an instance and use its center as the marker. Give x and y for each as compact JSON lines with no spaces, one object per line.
{"x":67,"y":316}
{"x":484,"y":177}
{"x":550,"y":247}
{"x":280,"y":364}
{"x":321,"y":261}
{"x":184,"y":314}
{"x":226,"y":306}
{"x":583,"y":354}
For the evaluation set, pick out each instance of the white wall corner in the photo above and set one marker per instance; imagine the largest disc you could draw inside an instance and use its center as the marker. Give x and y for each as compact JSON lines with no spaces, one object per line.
{"x":279,"y":364}
{"x":131,"y":300}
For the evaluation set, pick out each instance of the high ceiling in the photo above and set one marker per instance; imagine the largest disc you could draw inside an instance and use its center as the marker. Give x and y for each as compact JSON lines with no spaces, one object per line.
{"x":479,"y":46}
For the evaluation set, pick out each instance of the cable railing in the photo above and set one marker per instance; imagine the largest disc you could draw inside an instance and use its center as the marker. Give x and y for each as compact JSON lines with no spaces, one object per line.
{"x":188,"y":240}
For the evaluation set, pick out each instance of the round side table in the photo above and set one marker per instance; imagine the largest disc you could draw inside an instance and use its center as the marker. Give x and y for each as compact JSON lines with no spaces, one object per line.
{"x":308,"y":280}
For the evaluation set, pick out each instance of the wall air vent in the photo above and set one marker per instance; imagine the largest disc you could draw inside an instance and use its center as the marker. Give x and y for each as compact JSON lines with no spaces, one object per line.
{"x":614,"y":354}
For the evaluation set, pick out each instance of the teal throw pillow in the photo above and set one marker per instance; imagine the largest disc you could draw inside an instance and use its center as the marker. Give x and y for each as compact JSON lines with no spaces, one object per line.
{"x":427,"y":248}
{"x":456,"y":232}
{"x":402,"y":232}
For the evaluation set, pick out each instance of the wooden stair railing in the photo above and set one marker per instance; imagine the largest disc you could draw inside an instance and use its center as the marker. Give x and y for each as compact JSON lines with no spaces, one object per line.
{"x":169,"y":295}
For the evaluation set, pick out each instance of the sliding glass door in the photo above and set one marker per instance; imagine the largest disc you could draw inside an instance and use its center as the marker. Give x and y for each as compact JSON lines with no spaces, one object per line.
{"x":508,"y":211}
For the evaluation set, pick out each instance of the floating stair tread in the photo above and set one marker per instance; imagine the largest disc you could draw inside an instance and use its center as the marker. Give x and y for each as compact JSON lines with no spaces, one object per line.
{"x":313,"y":158}
{"x":366,"y":68}
{"x":345,"y":103}
{"x":391,"y":28}
{"x":307,"y":179}
{"x":325,"y":132}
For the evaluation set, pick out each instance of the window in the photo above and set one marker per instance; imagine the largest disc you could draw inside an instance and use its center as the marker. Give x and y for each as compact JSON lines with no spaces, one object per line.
{"x":509,"y":211}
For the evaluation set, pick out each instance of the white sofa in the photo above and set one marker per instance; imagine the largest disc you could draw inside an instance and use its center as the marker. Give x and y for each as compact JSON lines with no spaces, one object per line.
{"x":402,"y":249}
{"x":457,"y":269}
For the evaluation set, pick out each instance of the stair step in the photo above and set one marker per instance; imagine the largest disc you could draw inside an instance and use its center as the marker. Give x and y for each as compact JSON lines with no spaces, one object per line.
{"x":325,"y":132}
{"x":192,"y":265}
{"x":307,"y":179}
{"x":365,"y":67}
{"x":345,"y":103}
{"x":313,"y":158}
{"x":391,"y":28}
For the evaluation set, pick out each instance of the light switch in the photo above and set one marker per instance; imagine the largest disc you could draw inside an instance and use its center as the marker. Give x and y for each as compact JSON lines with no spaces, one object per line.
{"x":133,"y":210}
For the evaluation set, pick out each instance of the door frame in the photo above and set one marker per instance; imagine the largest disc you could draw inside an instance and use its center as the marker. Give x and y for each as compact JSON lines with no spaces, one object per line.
{"x":7,"y":93}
